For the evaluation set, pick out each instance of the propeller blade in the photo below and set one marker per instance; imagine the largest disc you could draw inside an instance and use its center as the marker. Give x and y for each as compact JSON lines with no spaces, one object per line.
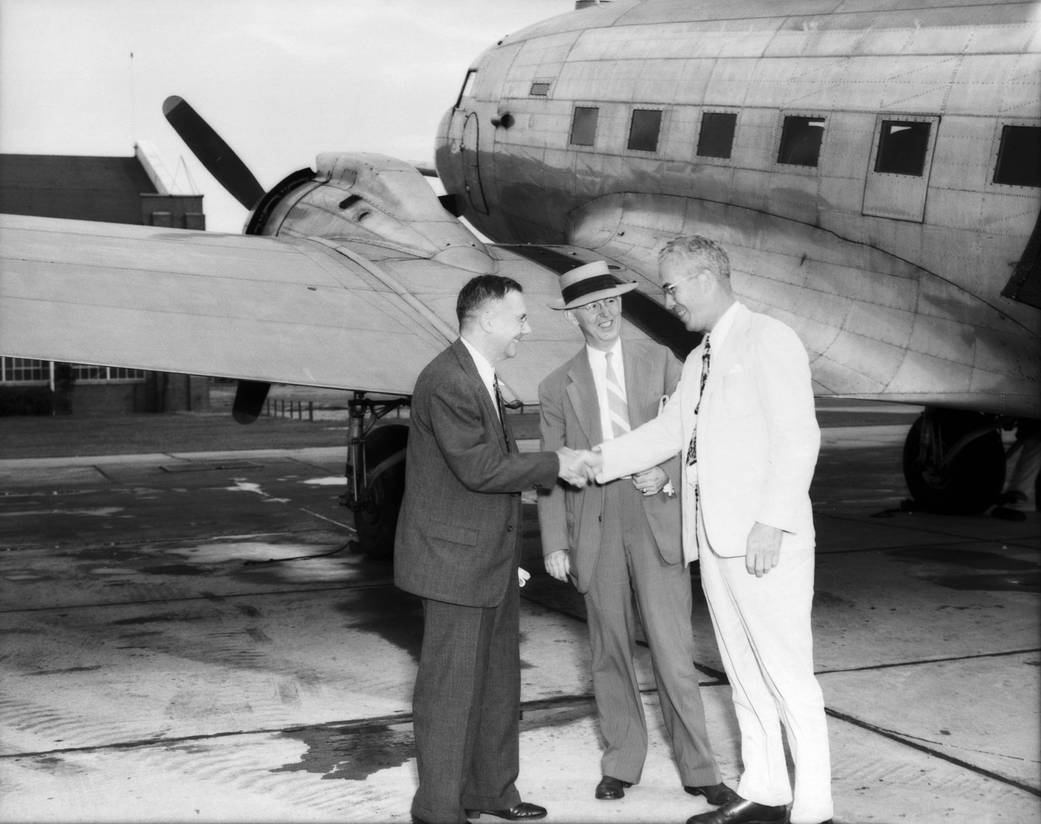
{"x":211,"y":150}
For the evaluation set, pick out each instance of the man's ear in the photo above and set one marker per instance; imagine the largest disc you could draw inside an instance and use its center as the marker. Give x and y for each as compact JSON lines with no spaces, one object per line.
{"x":570,"y":315}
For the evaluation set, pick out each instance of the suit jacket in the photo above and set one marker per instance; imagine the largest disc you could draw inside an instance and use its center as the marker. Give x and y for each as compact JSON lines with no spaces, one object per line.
{"x":757,"y":437}
{"x":457,"y":534}
{"x":570,"y":416}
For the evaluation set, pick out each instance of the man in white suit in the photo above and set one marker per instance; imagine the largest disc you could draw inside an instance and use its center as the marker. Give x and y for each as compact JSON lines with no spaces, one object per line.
{"x":742,"y":416}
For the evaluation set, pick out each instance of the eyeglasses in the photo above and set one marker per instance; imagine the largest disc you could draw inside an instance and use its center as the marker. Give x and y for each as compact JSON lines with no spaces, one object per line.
{"x":609,"y":305}
{"x":670,"y":288}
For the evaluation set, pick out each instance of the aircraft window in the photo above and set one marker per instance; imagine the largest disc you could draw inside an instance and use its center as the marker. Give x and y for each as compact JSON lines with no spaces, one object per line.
{"x":468,"y":86}
{"x":539,"y":88}
{"x":902,"y":147}
{"x":583,"y":125}
{"x":1019,"y":156}
{"x":717,"y":134}
{"x":801,"y":139}
{"x":644,"y":129}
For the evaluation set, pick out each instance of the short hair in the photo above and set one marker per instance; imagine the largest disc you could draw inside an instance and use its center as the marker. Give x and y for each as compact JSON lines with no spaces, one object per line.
{"x":479,"y":290}
{"x":699,"y":249}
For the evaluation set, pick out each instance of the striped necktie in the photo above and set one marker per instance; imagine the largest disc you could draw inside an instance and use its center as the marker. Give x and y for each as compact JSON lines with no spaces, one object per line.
{"x":692,"y":450}
{"x":616,"y":405}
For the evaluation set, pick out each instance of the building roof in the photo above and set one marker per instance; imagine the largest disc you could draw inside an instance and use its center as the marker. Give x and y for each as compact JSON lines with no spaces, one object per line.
{"x":83,"y":188}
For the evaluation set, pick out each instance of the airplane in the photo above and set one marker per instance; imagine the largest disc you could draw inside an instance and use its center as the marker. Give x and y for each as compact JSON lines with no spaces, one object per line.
{"x":873,"y":168}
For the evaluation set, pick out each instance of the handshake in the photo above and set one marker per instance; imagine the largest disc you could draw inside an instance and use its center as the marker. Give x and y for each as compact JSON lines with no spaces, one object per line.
{"x":579,"y":467}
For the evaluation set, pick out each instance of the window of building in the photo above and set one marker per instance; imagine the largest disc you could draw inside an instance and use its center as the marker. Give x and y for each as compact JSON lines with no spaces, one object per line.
{"x":644,"y":130}
{"x":583,"y":125}
{"x":540,"y":88}
{"x":84,"y":372}
{"x":801,"y":139}
{"x":24,"y":370}
{"x":1019,"y":156}
{"x":902,"y":147}
{"x":717,"y":134}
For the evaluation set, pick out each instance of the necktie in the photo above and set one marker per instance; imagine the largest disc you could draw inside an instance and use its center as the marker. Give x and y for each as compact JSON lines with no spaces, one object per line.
{"x":618,"y":409}
{"x":692,"y":450}
{"x":500,"y":407}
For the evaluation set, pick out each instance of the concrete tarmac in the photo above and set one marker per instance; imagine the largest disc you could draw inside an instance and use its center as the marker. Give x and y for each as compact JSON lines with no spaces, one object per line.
{"x":186,"y":637}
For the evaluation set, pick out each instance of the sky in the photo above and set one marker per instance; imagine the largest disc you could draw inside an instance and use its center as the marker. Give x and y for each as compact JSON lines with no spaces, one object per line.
{"x":280,"y":80}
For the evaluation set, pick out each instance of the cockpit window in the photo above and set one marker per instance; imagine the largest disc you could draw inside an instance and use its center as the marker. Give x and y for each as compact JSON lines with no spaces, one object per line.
{"x":1019,"y":156}
{"x":583,"y":125}
{"x":902,"y":147}
{"x":801,"y":139}
{"x":468,"y":85}
{"x":539,"y":88}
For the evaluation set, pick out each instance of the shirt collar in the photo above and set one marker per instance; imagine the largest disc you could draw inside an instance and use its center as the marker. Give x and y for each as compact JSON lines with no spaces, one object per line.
{"x":616,"y":350}
{"x":723,"y":325}
{"x":484,"y":366}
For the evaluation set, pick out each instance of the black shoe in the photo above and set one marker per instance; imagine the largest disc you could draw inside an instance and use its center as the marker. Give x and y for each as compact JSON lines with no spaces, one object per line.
{"x":520,"y":812}
{"x":743,"y":812}
{"x":716,"y":794}
{"x":611,"y":788}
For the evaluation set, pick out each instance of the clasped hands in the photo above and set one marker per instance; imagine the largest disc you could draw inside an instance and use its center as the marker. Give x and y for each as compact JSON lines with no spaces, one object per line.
{"x":579,"y":467}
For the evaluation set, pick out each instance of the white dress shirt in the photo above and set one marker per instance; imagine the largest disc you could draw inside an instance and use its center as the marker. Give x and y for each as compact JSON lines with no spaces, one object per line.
{"x":598,"y":364}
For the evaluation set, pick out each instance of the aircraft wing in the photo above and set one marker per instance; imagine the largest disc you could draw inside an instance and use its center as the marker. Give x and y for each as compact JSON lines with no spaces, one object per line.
{"x":283,"y":309}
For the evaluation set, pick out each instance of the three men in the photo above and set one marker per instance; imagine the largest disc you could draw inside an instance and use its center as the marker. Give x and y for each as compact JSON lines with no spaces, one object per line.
{"x":622,"y":539}
{"x":743,"y":418}
{"x":457,"y":548}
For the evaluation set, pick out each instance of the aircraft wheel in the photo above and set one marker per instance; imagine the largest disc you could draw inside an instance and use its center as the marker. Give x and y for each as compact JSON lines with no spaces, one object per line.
{"x":954,"y":462}
{"x":377,"y":518}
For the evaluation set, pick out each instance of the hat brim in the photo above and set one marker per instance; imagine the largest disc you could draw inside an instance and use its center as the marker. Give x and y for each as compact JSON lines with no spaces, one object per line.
{"x":592,"y":297}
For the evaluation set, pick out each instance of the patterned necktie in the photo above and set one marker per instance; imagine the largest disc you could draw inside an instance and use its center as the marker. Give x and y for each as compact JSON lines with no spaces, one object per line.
{"x":500,"y":407}
{"x":692,"y":450}
{"x":617,"y":408}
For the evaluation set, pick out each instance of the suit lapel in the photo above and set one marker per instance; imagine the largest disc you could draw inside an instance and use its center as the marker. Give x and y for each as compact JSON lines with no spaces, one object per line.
{"x":581,"y":391}
{"x":492,"y":424}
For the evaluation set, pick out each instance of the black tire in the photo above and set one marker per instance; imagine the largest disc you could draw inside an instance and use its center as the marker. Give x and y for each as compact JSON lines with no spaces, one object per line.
{"x":970,"y":482}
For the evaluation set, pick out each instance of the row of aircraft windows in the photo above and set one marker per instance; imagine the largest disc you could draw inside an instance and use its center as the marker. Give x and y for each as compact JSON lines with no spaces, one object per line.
{"x":25,"y":370}
{"x":902,"y":148}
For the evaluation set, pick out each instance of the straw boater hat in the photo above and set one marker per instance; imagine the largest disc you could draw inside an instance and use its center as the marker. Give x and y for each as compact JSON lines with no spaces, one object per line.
{"x":588,"y":283}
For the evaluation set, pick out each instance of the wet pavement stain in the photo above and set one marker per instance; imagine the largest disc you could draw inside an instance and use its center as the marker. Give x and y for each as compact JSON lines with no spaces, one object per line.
{"x":396,"y":616}
{"x":1004,"y":573}
{"x":351,"y":755}
{"x":176,"y":569}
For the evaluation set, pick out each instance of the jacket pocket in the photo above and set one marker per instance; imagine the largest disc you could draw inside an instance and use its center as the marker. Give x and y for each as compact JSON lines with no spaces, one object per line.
{"x":453,"y":533}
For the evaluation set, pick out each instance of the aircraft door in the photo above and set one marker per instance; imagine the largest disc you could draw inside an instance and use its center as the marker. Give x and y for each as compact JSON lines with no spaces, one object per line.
{"x":898,"y":177}
{"x":471,"y":164}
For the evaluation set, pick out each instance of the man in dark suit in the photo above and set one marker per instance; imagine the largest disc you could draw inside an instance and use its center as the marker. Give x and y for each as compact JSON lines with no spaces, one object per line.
{"x":457,"y":547}
{"x":623,"y":539}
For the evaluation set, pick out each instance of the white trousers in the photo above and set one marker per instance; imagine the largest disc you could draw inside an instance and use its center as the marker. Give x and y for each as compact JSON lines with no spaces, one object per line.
{"x":763,"y":630}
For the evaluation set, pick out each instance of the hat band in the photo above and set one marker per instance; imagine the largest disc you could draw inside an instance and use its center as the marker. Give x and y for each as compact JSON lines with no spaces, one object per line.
{"x":589,"y":285}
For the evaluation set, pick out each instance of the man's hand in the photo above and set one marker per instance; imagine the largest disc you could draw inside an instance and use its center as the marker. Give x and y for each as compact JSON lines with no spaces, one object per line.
{"x":558,"y":564}
{"x":651,"y":481}
{"x":575,"y":466}
{"x":764,"y":549}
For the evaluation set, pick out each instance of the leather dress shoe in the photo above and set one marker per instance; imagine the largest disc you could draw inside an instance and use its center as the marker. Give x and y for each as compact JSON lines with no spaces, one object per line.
{"x":743,"y":812}
{"x":519,"y":812}
{"x":611,"y":788}
{"x":715,"y":794}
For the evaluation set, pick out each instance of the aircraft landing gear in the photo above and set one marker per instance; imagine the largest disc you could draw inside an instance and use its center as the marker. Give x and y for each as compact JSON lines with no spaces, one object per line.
{"x":954,"y":461}
{"x":375,"y":474}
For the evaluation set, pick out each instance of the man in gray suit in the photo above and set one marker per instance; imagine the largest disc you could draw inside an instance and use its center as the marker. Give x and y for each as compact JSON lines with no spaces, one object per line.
{"x":457,"y":548}
{"x":623,"y":538}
